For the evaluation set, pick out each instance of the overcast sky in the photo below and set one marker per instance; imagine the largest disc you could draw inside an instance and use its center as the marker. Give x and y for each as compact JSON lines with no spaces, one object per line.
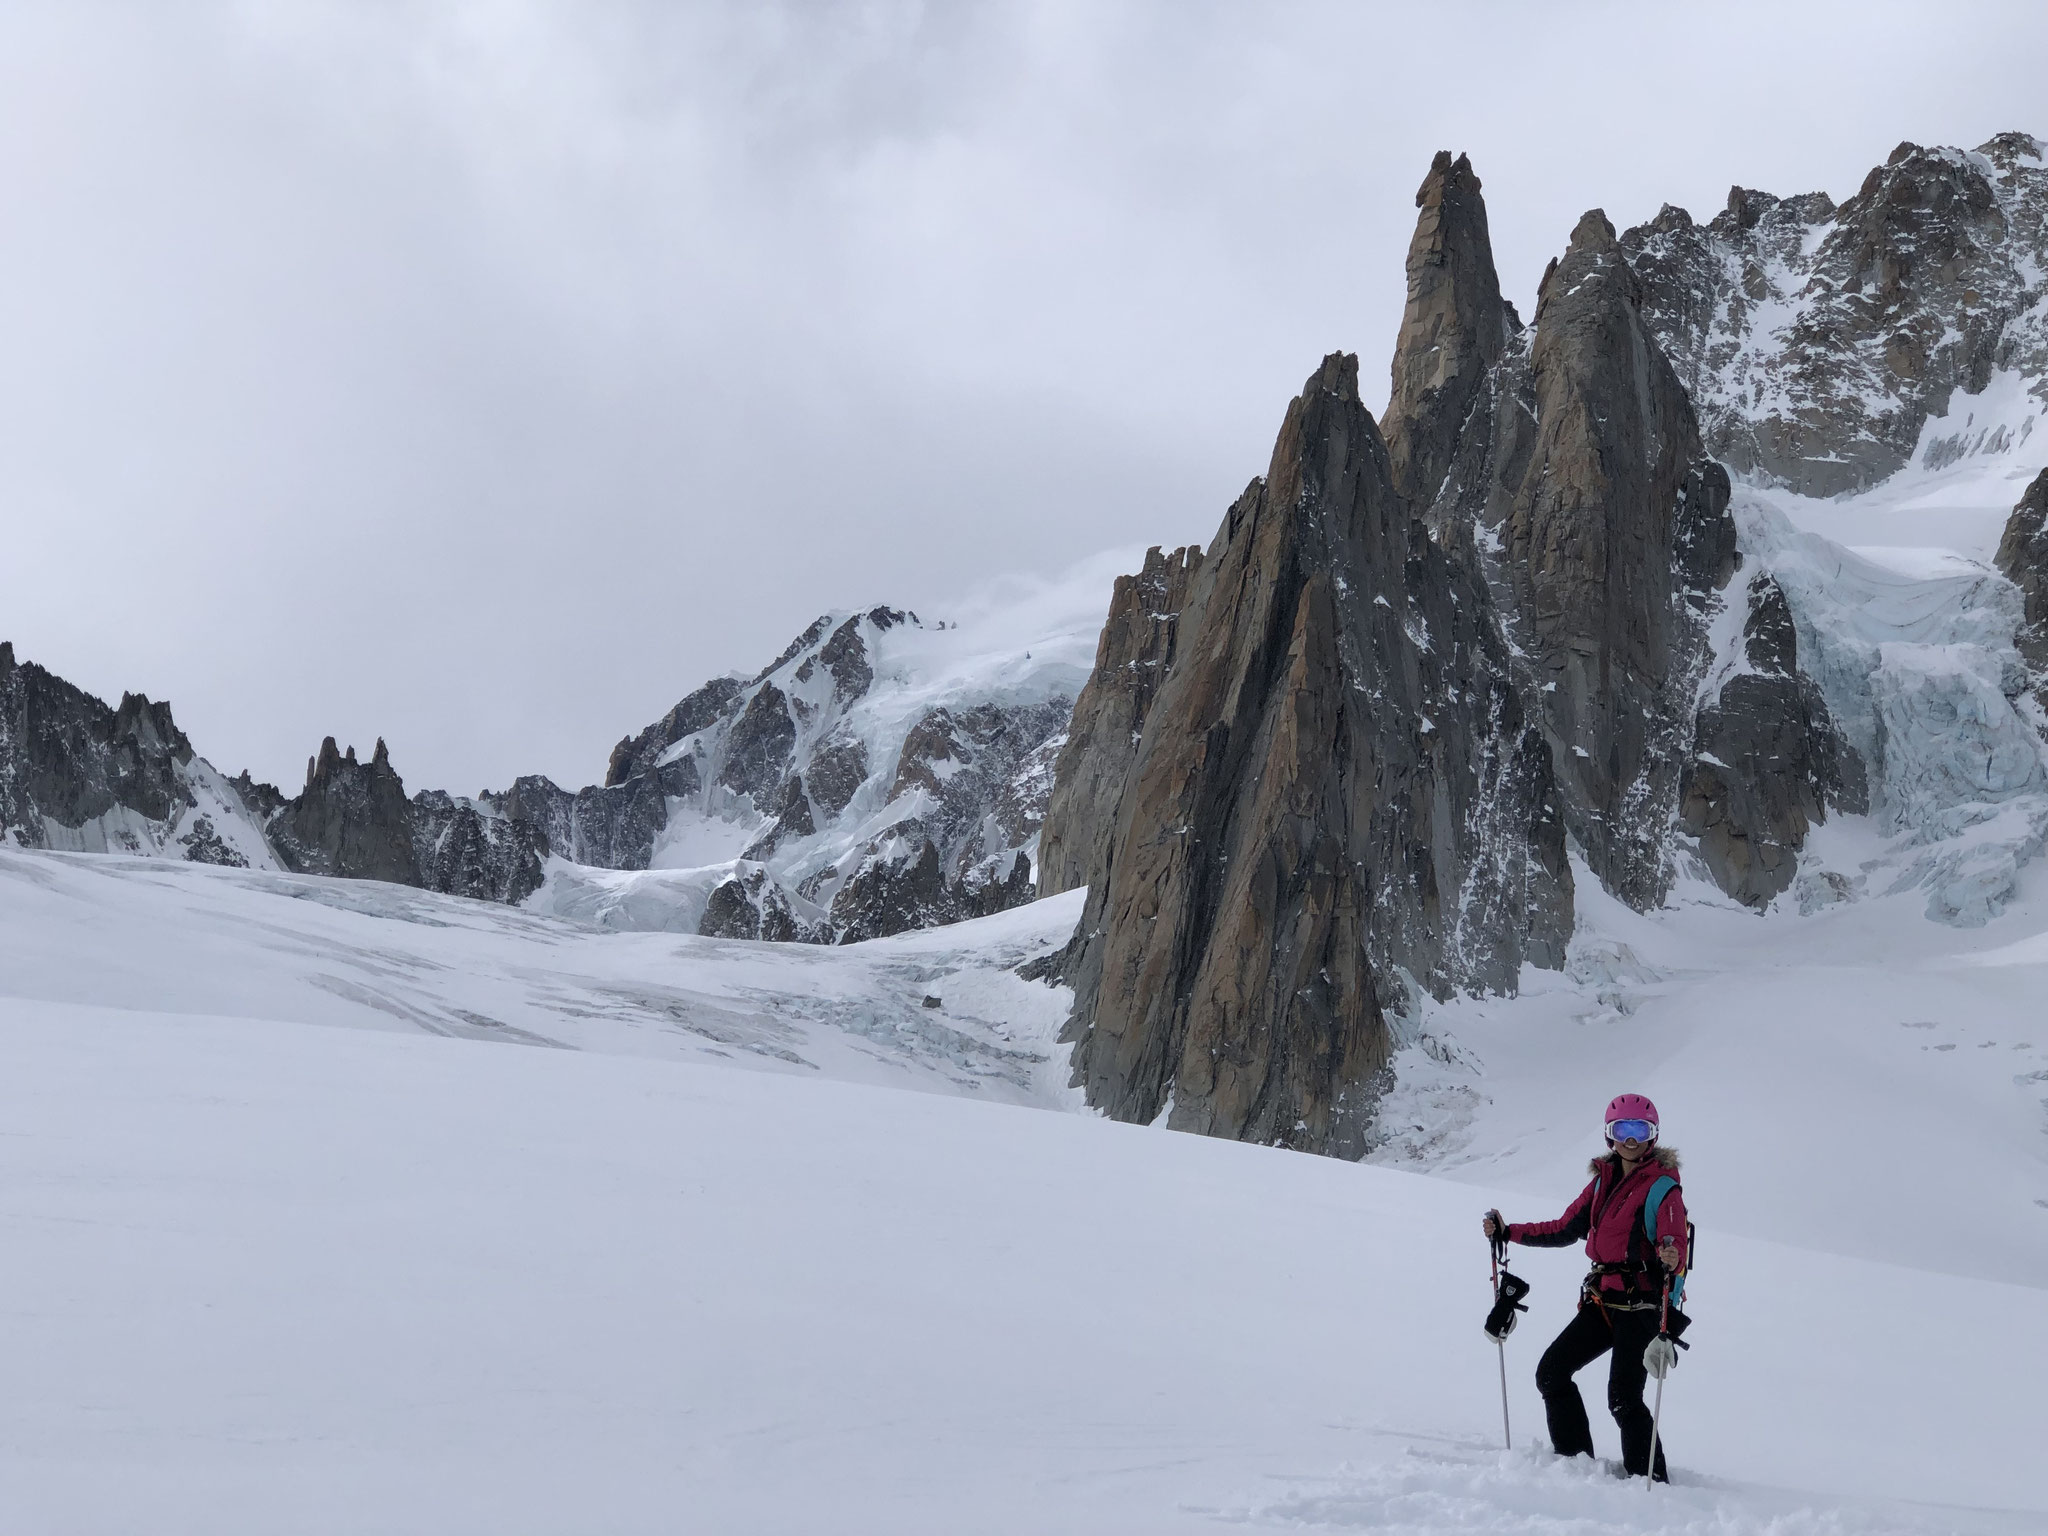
{"x":486,"y":376}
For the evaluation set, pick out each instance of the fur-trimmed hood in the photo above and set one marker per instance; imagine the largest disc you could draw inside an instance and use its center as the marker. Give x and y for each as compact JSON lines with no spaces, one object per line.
{"x":1665,"y":1158}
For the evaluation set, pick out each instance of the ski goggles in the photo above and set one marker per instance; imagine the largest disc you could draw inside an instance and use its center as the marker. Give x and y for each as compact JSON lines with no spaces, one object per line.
{"x":1631,"y":1130}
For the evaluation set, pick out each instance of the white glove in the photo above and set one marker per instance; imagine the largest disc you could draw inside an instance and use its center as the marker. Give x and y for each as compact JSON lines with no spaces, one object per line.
{"x":1659,"y":1356}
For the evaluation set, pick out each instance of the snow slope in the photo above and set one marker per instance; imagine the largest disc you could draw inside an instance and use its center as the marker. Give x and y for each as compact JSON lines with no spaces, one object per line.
{"x":1893,"y":1072}
{"x":265,"y":1275}
{"x":268,"y":1278}
{"x":168,"y":938}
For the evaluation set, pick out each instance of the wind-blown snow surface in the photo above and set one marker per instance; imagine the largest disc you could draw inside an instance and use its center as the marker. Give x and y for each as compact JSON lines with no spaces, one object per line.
{"x":265,"y":1276}
{"x":153,"y":936}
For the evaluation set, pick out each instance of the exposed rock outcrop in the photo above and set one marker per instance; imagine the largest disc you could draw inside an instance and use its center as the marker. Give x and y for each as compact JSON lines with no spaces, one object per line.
{"x":2023,"y":560}
{"x":1817,"y":341}
{"x":759,"y":746}
{"x":976,"y":781}
{"x":80,"y":777}
{"x":638,"y":755}
{"x":752,"y":904}
{"x":1334,"y":789}
{"x":1454,"y":329}
{"x":1581,"y":472}
{"x":610,"y":826}
{"x":901,"y":884}
{"x":70,"y":765}
{"x":818,"y":771}
{"x":464,"y":848}
{"x":352,"y":819}
{"x":1768,"y":760}
{"x":1131,"y":660}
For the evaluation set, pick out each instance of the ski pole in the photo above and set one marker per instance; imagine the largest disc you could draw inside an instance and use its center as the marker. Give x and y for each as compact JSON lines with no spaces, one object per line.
{"x":1657,"y":1413}
{"x":1507,"y":1439}
{"x":1497,"y":1247}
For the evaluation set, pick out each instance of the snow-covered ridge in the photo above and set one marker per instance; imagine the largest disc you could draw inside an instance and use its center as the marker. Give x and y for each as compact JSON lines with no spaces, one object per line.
{"x":1817,"y":340}
{"x":886,"y":772}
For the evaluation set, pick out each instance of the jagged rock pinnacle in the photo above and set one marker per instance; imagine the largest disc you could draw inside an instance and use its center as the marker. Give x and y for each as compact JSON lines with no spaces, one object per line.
{"x":1453,"y":329}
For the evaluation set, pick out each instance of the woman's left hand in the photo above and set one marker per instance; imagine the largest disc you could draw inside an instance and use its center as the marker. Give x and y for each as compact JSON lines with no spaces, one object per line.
{"x":1667,"y":1253}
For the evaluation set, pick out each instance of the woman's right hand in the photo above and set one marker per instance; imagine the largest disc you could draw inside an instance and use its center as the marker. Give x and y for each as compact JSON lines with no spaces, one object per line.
{"x":1492,"y":1225}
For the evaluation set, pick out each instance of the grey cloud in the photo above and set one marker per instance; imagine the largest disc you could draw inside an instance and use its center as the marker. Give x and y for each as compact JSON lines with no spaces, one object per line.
{"x":485,"y":377}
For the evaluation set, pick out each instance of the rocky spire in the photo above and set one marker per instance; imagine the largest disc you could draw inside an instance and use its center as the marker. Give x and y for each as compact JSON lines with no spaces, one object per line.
{"x":1453,"y":330}
{"x":352,"y":819}
{"x":1612,"y":526}
{"x":1333,"y":787}
{"x":1131,"y":660}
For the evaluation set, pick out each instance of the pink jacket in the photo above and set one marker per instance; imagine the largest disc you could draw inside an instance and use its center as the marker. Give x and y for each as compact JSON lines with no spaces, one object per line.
{"x":1608,"y":1214}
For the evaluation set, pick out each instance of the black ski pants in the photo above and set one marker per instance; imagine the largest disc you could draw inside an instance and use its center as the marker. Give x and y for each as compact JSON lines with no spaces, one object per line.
{"x":1585,"y":1339}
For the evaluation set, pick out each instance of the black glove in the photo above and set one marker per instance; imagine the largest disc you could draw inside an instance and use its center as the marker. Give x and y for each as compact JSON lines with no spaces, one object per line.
{"x":1500,"y":1322}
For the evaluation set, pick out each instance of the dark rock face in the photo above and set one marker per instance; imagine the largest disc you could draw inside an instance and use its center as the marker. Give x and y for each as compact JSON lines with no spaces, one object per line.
{"x":352,"y":819}
{"x":978,"y":778}
{"x":961,"y":761}
{"x":612,"y":826}
{"x":67,"y":757}
{"x":461,"y":849}
{"x":1768,"y":761}
{"x":636,"y":755}
{"x":2023,"y":560}
{"x":1453,"y":331}
{"x":759,"y":748}
{"x":901,"y":884}
{"x":262,"y":801}
{"x":1334,"y":784}
{"x":1583,"y":471}
{"x":838,"y":768}
{"x":1131,"y":660}
{"x":203,"y":844}
{"x":845,"y":656}
{"x":793,"y":819}
{"x":1817,"y":340}
{"x":752,"y":905}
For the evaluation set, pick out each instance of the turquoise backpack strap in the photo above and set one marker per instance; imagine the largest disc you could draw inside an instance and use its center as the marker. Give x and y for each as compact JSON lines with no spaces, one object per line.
{"x":1653,"y":1203}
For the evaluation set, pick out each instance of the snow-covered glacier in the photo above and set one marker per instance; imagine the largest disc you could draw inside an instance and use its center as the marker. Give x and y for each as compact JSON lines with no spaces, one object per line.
{"x":1908,"y":629}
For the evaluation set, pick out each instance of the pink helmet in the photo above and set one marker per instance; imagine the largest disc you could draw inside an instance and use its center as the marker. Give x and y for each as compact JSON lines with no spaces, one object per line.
{"x":1632,"y":1106}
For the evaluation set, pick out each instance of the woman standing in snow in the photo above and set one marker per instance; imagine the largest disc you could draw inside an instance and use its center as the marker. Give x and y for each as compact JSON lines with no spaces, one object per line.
{"x":1620,"y":1303}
